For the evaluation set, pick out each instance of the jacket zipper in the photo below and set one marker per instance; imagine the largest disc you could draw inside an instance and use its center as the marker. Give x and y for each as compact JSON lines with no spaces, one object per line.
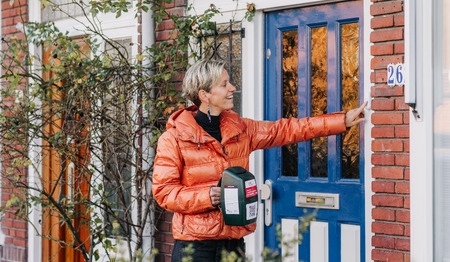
{"x":182,"y":225}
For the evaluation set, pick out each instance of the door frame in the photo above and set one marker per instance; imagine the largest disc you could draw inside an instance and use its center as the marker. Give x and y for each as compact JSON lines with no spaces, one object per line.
{"x":343,"y":16}
{"x":253,"y":55}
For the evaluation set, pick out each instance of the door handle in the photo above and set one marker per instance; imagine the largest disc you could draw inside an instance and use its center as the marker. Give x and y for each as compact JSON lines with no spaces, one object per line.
{"x":266,"y":195}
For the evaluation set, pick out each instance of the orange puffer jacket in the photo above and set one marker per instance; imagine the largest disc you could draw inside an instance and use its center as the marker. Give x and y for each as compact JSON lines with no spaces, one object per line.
{"x":189,"y":161}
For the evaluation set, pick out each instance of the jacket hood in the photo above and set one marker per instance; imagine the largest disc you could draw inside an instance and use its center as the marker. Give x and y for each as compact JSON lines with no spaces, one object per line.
{"x":186,"y":127}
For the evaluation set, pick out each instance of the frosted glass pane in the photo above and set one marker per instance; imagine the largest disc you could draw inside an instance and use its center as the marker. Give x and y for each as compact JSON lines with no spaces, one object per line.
{"x":442,"y":131}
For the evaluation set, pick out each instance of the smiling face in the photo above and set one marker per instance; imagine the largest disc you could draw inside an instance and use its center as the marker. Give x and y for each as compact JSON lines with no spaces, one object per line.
{"x":220,"y":97}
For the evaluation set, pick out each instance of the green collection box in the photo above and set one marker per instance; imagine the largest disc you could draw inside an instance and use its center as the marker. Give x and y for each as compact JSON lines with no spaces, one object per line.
{"x":239,"y":201}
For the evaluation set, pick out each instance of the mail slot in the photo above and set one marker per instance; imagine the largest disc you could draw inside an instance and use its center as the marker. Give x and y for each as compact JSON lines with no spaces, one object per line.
{"x":317,"y":200}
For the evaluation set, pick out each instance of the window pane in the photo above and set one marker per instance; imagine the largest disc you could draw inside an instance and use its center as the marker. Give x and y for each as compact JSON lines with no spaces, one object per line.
{"x":350,"y":97}
{"x":290,"y":108}
{"x":67,"y":8}
{"x":442,"y":131}
{"x":217,"y":46}
{"x":319,"y":151}
{"x":116,"y":145}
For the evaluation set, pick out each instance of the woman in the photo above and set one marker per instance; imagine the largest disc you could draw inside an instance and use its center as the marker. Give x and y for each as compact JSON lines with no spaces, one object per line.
{"x":202,"y":141}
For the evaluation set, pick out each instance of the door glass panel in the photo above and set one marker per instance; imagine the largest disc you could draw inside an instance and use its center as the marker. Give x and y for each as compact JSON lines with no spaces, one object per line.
{"x":319,"y":152}
{"x":290,"y":107}
{"x":350,"y":97}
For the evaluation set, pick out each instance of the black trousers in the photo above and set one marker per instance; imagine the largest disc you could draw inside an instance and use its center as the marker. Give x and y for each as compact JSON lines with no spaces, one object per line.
{"x":207,"y":250}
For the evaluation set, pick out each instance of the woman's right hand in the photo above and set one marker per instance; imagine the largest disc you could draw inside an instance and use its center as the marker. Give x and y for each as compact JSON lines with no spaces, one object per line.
{"x":214,"y":194}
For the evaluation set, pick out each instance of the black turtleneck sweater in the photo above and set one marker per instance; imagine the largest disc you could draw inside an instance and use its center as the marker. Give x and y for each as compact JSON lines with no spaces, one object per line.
{"x":212,"y":128}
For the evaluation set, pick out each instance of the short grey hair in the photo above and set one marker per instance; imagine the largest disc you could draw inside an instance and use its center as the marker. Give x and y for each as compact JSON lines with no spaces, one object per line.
{"x":202,"y":76}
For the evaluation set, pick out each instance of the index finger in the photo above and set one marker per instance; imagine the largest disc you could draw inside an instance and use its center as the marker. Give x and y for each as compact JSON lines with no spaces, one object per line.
{"x":361,"y":108}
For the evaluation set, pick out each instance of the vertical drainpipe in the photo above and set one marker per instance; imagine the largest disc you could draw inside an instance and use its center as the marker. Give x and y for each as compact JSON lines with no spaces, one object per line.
{"x":148,"y":39}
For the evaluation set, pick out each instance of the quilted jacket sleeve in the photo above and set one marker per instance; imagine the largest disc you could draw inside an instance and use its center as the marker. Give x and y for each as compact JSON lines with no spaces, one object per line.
{"x":167,"y":188}
{"x":266,"y":134}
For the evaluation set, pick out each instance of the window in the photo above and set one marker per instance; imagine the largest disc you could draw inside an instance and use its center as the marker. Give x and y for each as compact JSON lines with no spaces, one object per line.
{"x":226,"y":45}
{"x":116,"y":144}
{"x":442,"y":130}
{"x":68,"y":8}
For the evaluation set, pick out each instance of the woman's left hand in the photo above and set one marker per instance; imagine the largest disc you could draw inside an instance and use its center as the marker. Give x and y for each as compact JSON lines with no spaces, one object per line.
{"x":214,"y":194}
{"x":351,"y":118}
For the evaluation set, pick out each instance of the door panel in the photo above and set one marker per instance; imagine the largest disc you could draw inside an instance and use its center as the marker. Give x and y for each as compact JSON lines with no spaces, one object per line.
{"x":60,"y":177}
{"x":313,"y":69}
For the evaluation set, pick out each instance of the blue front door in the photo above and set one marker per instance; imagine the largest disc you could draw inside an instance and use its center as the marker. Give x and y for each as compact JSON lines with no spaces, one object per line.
{"x":314,"y":65}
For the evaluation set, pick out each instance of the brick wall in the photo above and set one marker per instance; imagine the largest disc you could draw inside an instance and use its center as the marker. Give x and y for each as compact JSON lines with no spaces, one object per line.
{"x":163,"y":236}
{"x":390,"y":145}
{"x":14,"y":230}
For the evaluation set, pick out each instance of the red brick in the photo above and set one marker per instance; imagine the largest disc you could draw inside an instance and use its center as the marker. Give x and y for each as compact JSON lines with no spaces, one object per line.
{"x":164,"y":248}
{"x":7,"y":222}
{"x":383,"y":132}
{"x":7,"y":21}
{"x":399,"y":20}
{"x":406,"y":146}
{"x":387,"y":172}
{"x":402,"y":131}
{"x":406,"y":173}
{"x":402,"y":160}
{"x":406,"y":117}
{"x":382,"y":62}
{"x":402,"y":216}
{"x":386,"y":91}
{"x":168,"y":216}
{"x":407,"y":230}
{"x":165,"y":35}
{"x":402,"y":244}
{"x":399,"y":48}
{"x":381,"y":77}
{"x":180,"y":3}
{"x":402,"y":187}
{"x":383,"y":214}
{"x":387,"y":200}
{"x":387,"y":118}
{"x":9,"y":240}
{"x":386,"y":35}
{"x":383,"y":242}
{"x":165,"y":227}
{"x":385,"y":256}
{"x":400,"y":104}
{"x":388,"y":228}
{"x":6,"y":30}
{"x":383,"y":187}
{"x":383,"y":104}
{"x":386,"y":8}
{"x":382,"y":22}
{"x":407,"y":257}
{"x":177,"y":11}
{"x":383,"y":159}
{"x":20,"y":19}
{"x":387,"y":146}
{"x":382,"y":49}
{"x":20,"y":242}
{"x":166,"y":25}
{"x":171,"y":4}
{"x":407,"y":202}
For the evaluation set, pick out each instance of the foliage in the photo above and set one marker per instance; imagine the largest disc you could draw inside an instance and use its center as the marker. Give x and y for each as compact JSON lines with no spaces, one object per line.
{"x":289,"y":244}
{"x":79,"y":124}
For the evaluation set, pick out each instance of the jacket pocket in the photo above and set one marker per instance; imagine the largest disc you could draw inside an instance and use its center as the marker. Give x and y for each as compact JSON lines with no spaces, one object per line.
{"x":203,"y":225}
